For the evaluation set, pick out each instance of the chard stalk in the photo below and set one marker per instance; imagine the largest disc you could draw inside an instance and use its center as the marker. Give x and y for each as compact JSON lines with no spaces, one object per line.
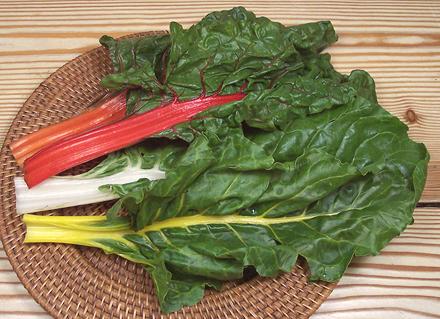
{"x":67,"y":191}
{"x":91,"y":231}
{"x":106,"y":111}
{"x":82,"y":148}
{"x":119,"y":168}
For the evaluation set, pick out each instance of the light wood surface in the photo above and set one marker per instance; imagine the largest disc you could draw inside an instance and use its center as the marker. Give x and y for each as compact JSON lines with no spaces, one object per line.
{"x":398,"y":42}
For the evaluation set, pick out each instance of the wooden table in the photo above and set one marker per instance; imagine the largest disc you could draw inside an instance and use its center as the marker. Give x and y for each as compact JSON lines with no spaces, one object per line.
{"x":398,"y":42}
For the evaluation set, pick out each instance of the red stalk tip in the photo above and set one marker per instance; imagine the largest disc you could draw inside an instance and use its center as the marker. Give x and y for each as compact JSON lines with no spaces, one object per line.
{"x":106,"y":111}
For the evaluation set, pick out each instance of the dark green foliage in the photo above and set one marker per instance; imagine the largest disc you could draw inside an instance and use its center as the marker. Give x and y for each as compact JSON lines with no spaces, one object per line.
{"x":307,"y":146}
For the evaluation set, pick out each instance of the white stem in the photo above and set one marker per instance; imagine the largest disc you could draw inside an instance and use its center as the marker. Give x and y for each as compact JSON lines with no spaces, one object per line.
{"x":66,"y":191}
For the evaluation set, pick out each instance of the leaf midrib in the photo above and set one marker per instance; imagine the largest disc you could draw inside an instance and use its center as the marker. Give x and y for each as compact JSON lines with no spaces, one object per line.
{"x":195,"y":220}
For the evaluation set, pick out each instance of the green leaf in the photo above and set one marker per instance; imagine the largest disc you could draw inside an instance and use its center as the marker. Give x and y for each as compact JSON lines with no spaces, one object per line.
{"x":312,"y":176}
{"x":220,"y":54}
{"x":135,"y":52}
{"x":307,"y":164}
{"x":137,"y":62}
{"x":293,"y":97}
{"x":313,"y":37}
{"x":224,"y":49}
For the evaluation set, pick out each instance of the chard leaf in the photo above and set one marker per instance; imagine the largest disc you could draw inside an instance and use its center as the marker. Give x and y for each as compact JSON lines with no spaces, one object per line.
{"x":132,"y":53}
{"x":224,"y":49}
{"x":137,"y":62}
{"x":307,"y":164}
{"x":293,"y":97}
{"x":325,"y":185}
{"x":223,"y":52}
{"x":313,"y":37}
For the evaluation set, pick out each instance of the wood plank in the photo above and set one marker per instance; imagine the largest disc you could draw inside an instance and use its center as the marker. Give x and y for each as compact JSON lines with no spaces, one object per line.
{"x":397,"y":41}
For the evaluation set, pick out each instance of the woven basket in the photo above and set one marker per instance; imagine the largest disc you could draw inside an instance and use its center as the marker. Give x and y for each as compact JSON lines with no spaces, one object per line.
{"x":77,"y":282}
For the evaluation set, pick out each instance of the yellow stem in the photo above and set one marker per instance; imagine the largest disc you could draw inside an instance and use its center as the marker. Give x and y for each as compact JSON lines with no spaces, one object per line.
{"x":85,"y":230}
{"x":78,"y":230}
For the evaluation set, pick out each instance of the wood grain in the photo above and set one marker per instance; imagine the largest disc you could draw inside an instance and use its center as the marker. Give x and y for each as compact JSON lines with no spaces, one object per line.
{"x":398,"y":42}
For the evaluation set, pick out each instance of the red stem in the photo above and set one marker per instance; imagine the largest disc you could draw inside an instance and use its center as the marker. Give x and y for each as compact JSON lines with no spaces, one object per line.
{"x":90,"y":145}
{"x":108,"y":110}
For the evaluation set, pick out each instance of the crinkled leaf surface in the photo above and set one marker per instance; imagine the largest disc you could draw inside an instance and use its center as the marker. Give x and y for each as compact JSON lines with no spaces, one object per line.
{"x":308,"y":164}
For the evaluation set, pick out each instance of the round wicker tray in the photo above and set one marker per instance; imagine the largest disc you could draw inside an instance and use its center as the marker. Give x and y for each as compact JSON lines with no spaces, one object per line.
{"x":77,"y":282}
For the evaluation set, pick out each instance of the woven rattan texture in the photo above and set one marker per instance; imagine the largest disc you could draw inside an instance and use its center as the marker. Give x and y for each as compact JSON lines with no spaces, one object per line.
{"x":78,"y":282}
